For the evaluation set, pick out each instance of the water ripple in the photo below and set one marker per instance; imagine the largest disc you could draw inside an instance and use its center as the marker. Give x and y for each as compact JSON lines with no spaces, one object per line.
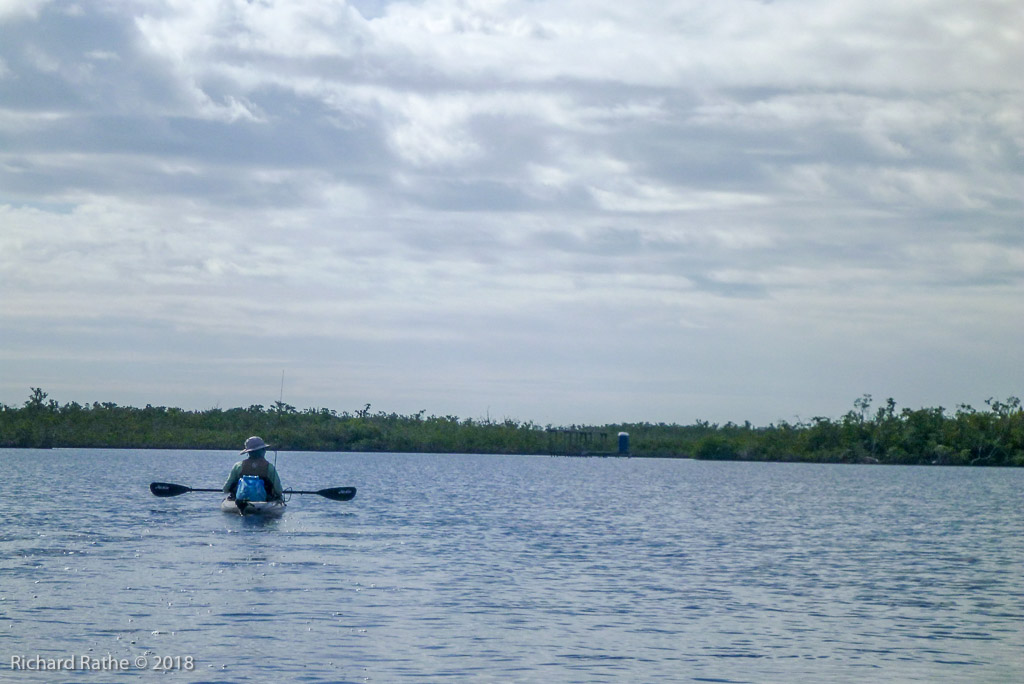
{"x":523,"y":569}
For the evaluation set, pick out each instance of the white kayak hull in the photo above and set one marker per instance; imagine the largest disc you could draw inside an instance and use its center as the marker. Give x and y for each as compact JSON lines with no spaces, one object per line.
{"x":267,"y":509}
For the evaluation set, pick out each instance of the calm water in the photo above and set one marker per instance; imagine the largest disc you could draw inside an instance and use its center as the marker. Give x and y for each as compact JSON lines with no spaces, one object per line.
{"x":477,"y":568}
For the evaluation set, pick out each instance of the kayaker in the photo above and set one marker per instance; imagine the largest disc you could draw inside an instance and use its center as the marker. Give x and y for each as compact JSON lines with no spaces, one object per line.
{"x":255,"y":464}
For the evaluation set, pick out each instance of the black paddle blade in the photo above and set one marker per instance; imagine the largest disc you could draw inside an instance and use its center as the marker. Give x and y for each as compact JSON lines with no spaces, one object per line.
{"x":334,"y":493}
{"x":168,"y":489}
{"x":338,"y":493}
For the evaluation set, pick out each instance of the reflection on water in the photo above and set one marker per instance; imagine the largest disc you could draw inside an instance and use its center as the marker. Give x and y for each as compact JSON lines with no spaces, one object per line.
{"x":519,"y":568}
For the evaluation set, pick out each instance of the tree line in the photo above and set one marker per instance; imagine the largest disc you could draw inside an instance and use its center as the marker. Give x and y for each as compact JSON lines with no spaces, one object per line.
{"x":993,"y":436}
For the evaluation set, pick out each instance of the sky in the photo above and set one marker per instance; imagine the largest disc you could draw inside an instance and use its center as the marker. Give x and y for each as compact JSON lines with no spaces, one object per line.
{"x":563,"y":212}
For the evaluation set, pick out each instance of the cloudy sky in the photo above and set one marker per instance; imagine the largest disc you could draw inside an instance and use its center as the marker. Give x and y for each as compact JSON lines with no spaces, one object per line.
{"x":565,"y":211}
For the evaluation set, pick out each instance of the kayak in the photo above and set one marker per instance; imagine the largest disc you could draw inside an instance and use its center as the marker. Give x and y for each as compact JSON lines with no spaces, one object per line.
{"x":268,"y":509}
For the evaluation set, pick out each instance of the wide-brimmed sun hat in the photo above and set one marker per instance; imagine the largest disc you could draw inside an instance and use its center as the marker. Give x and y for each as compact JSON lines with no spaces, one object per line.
{"x":254,"y":444}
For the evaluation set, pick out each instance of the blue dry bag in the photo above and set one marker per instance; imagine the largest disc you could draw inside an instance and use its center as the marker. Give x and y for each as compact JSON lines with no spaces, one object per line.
{"x":250,"y":488}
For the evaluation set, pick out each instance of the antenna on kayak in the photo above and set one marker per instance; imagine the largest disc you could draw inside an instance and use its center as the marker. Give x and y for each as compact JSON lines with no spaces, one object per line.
{"x":280,"y":406}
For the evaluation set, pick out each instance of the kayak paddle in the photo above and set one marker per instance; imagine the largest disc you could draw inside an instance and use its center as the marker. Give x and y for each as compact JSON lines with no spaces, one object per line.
{"x":169,"y":489}
{"x":332,"y":493}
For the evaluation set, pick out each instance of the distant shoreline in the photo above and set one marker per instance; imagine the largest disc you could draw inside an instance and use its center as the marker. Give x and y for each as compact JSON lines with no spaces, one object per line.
{"x":990,"y":437}
{"x":234,"y":451}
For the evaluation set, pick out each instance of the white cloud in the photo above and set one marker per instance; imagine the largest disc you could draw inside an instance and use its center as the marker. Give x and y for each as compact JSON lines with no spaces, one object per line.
{"x":15,"y":9}
{"x":725,"y":197}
